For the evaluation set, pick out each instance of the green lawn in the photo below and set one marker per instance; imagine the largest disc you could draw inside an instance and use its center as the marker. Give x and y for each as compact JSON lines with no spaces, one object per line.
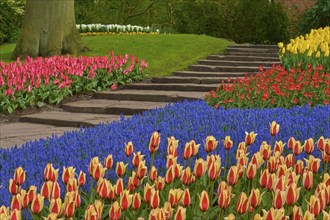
{"x":164,"y":53}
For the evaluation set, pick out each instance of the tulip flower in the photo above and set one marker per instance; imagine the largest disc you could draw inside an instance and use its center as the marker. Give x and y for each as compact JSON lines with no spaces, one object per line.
{"x":297,"y":148}
{"x":265,"y":150}
{"x":55,"y":206}
{"x":232,"y":176}
{"x":52,"y":216}
{"x":25,"y":198}
{"x":289,"y":160}
{"x":309,"y":145}
{"x":255,"y":198}
{"x":46,"y":189}
{"x":230,"y":217}
{"x":103,"y":188}
{"x":279,"y":146}
{"x":250,"y":138}
{"x":228,"y":143}
{"x":242,"y":146}
{"x":115,"y":211}
{"x":13,"y":187}
{"x":147,"y":191}
{"x":119,"y":187}
{"x":325,"y":157}
{"x":251,"y":171}
{"x":186,"y":176}
{"x":160,"y":183}
{"x":194,"y":147}
{"x":308,"y":179}
{"x":154,"y":142}
{"x":272,"y":164}
{"x":274,"y":128}
{"x":98,"y":171}
{"x":130,"y":184}
{"x":283,"y":170}
{"x":108,"y":162}
{"x":291,"y":143}
{"x":98,"y":205}
{"x":200,"y":167}
{"x":167,"y":210}
{"x":72,"y":185}
{"x":293,"y":178}
{"x":154,"y":199}
{"x":313,"y":164}
{"x":299,"y":167}
{"x":68,"y":173}
{"x":180,"y":213}
{"x":125,"y":200}
{"x":121,"y":168}
{"x":174,"y":197}
{"x":69,"y":206}
{"x":171,"y":160}
{"x":257,"y":159}
{"x":129,"y":149}
{"x":157,"y":214}
{"x":264,"y":178}
{"x":327,"y":147}
{"x":210,"y":144}
{"x":224,"y":197}
{"x":81,"y":178}
{"x":185,"y":200}
{"x":136,"y":201}
{"x":137,"y":158}
{"x":296,"y":213}
{"x":204,"y":201}
{"x":278,"y":199}
{"x":50,"y":173}
{"x":214,"y":170}
{"x":187,"y":152}
{"x":242,"y":159}
{"x":19,"y":176}
{"x":242,"y":204}
{"x":274,"y":214}
{"x":15,"y":214}
{"x":56,"y":191}
{"x":153,"y":174}
{"x":170,"y":175}
{"x":314,"y":205}
{"x":112,"y":193}
{"x":172,"y":147}
{"x":16,"y":202}
{"x":292,"y":194}
{"x":321,"y":143}
{"x":32,"y":193}
{"x":37,"y":204}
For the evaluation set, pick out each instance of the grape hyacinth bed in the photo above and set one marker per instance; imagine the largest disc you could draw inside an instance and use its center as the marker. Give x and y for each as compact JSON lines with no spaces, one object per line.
{"x":185,"y":121}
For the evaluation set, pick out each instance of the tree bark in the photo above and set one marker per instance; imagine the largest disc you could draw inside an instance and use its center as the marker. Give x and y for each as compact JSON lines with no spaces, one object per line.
{"x":48,"y":28}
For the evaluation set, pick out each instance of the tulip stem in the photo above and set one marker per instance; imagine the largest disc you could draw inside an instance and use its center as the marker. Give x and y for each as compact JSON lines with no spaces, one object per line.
{"x":152,"y":159}
{"x":226,"y":164}
{"x":91,"y":190}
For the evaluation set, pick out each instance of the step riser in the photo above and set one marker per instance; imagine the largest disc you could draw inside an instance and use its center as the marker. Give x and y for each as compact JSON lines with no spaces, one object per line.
{"x":256,"y":54}
{"x":110,"y":110}
{"x":187,"y":80}
{"x":252,"y":50}
{"x":138,"y":97}
{"x":197,"y":88}
{"x":60,"y":123}
{"x":215,"y":74}
{"x":224,"y":63}
{"x":258,"y":46}
{"x":243,"y":58}
{"x":222,"y":69}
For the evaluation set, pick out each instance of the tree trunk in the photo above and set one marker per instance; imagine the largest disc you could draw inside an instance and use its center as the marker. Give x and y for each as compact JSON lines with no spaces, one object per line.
{"x":49,"y":28}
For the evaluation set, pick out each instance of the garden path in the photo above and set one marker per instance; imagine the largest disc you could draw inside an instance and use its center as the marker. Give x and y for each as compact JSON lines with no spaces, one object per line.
{"x":107,"y":106}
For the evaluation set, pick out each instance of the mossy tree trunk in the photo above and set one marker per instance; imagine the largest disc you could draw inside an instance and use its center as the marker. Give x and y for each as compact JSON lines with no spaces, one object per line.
{"x":48,"y":29}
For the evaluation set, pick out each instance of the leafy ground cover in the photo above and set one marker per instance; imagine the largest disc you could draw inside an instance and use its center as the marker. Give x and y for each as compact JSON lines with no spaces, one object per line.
{"x":186,"y":121}
{"x":164,"y":53}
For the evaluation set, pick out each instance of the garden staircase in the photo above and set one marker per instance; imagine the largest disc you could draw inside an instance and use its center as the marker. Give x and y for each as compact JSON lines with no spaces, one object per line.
{"x":190,"y":84}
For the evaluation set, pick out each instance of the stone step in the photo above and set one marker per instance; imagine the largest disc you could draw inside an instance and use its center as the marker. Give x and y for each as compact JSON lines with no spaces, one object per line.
{"x":251,"y":53}
{"x":255,"y":50}
{"x":211,"y":74}
{"x":253,"y":46}
{"x":237,"y":63}
{"x":106,"y":106}
{"x":243,"y":58}
{"x":69,"y":119}
{"x":195,"y":80}
{"x":209,"y":68}
{"x":149,"y":95}
{"x":172,"y":87}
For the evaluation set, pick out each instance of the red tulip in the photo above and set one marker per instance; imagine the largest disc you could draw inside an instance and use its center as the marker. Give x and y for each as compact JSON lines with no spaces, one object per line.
{"x":147,"y":191}
{"x":291,"y":143}
{"x":228,"y":143}
{"x":289,"y":160}
{"x":125,"y":200}
{"x":37,"y":204}
{"x":56,"y":191}
{"x":299,"y":167}
{"x":242,"y":204}
{"x":224,"y":197}
{"x":15,"y":214}
{"x":153,"y":174}
{"x":25,"y":198}
{"x":265,"y":150}
{"x":297,"y":148}
{"x":154,"y":142}
{"x":255,"y":198}
{"x":172,"y":147}
{"x":296,"y":213}
{"x":264,"y":178}
{"x":199,"y":168}
{"x":50,"y":173}
{"x":121,"y":168}
{"x":68,"y":173}
{"x":187,"y":152}
{"x":314,"y":205}
{"x":185,"y":198}
{"x":204,"y":202}
{"x":154,"y":199}
{"x":210,"y":144}
{"x":129,"y":149}
{"x":136,"y":201}
{"x":274,"y":128}
{"x":170,"y":175}
{"x":46,"y":189}
{"x":232,"y":176}
{"x":16,"y":202}
{"x":279,"y":146}
{"x":160,"y":183}
{"x":308,"y":179}
{"x":19,"y":176}
{"x":13,"y":188}
{"x":137,"y":158}
{"x":108,"y":162}
{"x":250,"y":138}
{"x":119,"y":187}
{"x":292,"y":194}
{"x":278,"y":199}
{"x":103,"y":188}
{"x":72,"y":185}
{"x":32,"y":193}
{"x":251,"y":171}
{"x":308,"y":146}
{"x":81,"y":178}
{"x":180,"y":214}
{"x":321,"y":143}
{"x":55,"y":206}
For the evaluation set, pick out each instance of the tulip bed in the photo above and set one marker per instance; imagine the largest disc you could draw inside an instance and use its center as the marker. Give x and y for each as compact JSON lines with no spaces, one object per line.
{"x":311,"y":49}
{"x":274,"y":87}
{"x":181,"y":177}
{"x":115,"y":29}
{"x":49,"y":80}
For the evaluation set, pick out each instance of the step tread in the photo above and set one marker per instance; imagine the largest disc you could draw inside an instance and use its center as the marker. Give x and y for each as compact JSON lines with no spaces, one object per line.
{"x":241,"y":62}
{"x":155,"y":92}
{"x":171,"y":84}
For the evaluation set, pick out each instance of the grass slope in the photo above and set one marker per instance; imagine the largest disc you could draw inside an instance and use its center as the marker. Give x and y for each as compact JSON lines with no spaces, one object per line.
{"x":164,"y":53}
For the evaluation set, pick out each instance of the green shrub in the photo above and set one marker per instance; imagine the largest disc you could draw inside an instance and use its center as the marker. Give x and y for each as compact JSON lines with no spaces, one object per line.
{"x":316,"y":17}
{"x":9,"y":23}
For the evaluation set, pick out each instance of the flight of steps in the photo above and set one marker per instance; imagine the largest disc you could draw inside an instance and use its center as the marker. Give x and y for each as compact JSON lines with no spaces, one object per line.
{"x":190,"y":84}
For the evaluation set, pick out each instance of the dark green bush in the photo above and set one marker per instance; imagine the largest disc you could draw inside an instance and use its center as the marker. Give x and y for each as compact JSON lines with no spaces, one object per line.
{"x":9,"y":23}
{"x":314,"y":18}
